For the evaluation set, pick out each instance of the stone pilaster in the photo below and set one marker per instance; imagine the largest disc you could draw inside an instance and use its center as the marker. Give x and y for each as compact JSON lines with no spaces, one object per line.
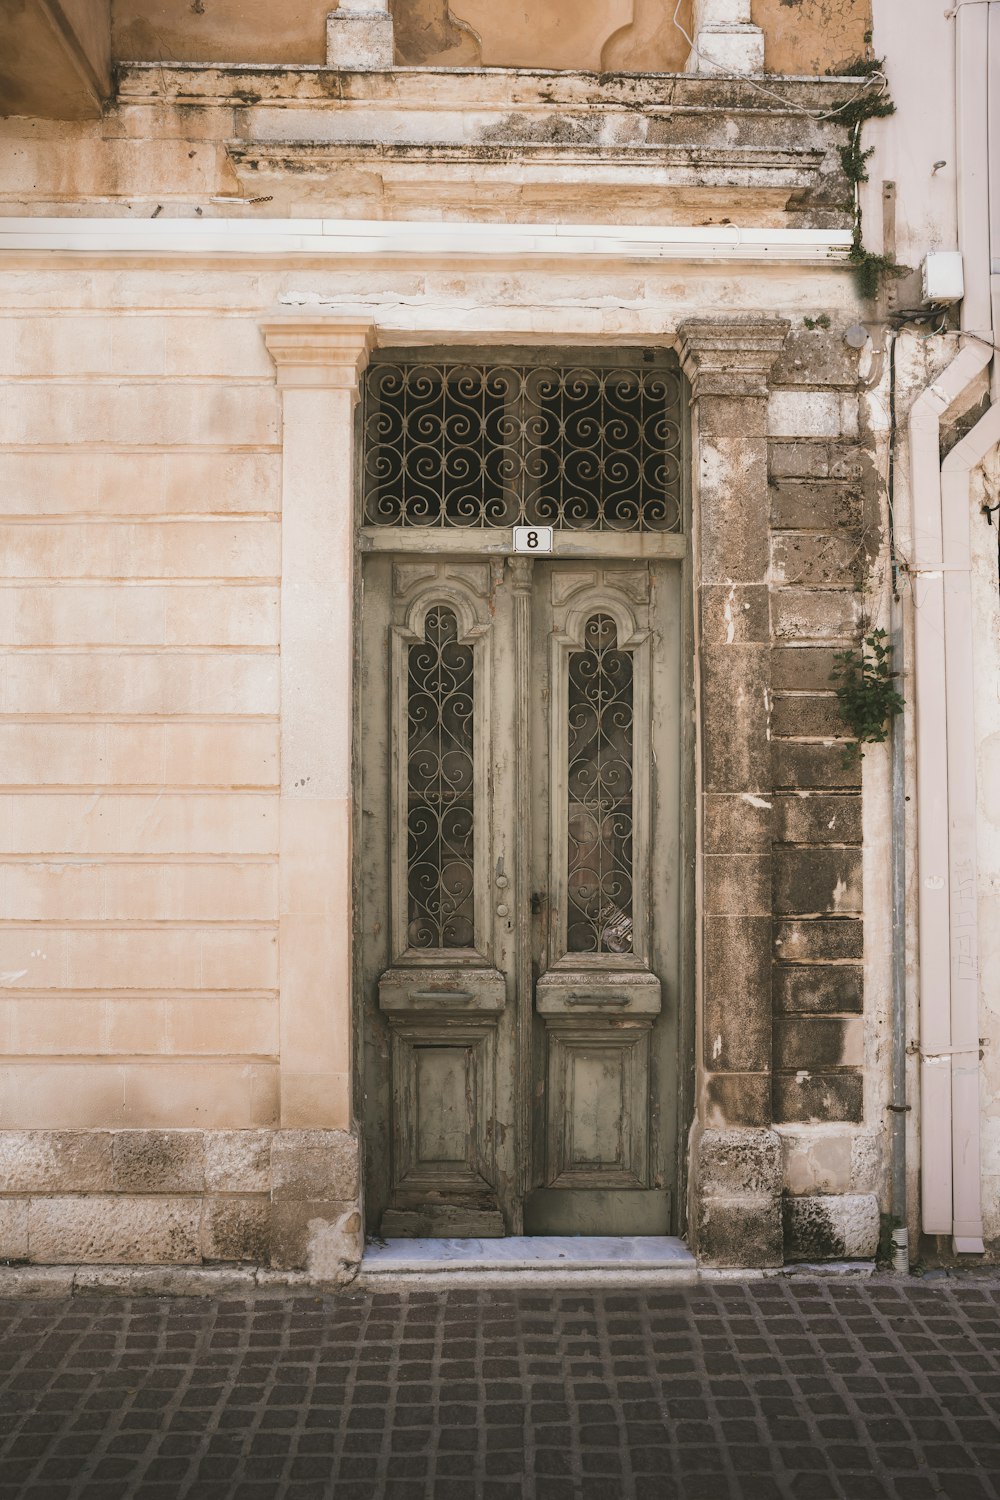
{"x":727,"y":361}
{"x":359,"y":36}
{"x":319,"y":363}
{"x":725,"y":38}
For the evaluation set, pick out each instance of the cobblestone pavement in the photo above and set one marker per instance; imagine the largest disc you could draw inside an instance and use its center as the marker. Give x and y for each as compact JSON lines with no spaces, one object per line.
{"x":767,"y":1389}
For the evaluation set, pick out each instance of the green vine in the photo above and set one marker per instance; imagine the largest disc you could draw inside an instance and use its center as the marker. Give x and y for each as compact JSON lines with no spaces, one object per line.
{"x":866,"y":696}
{"x":869,"y":268}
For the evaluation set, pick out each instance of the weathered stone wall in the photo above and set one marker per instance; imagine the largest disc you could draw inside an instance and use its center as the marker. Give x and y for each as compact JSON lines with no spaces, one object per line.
{"x":287,"y":1199}
{"x":820,"y":550}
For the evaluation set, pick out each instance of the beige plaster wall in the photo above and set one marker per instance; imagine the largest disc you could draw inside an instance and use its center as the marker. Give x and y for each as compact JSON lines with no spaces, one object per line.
{"x":139,"y":738}
{"x":812,"y":36}
{"x":255,"y":31}
{"x":801,"y":36}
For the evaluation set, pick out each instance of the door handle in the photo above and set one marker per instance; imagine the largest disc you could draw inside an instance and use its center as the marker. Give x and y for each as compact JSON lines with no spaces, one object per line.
{"x":597,"y":999}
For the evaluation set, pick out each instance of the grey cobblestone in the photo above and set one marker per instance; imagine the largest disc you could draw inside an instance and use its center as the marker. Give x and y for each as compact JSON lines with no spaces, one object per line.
{"x":761,"y":1390}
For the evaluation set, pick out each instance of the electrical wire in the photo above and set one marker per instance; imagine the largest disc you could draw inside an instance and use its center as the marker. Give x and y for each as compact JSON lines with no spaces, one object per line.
{"x":817,"y":114}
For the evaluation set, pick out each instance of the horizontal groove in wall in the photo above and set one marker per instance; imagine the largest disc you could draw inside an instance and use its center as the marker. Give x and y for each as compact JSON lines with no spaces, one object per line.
{"x":140,"y":924}
{"x":131,"y":518}
{"x":98,"y":311}
{"x":156,"y":652}
{"x":85,"y":380}
{"x":203,"y":517}
{"x":128,"y":720}
{"x":165,"y":1059}
{"x":126,"y":996}
{"x":128,"y":448}
{"x":113,"y":789}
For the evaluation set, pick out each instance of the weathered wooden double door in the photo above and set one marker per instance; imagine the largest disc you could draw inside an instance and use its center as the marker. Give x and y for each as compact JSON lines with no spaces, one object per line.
{"x":518,"y":868}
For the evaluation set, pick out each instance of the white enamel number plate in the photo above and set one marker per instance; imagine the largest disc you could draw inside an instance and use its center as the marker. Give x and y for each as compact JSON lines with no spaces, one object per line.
{"x":532,"y":538}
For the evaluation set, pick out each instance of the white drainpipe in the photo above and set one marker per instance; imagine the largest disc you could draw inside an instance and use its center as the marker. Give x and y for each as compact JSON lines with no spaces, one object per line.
{"x":945,"y":725}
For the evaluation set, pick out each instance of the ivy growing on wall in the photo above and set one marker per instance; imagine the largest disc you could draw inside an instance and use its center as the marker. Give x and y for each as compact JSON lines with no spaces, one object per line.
{"x":869,"y":268}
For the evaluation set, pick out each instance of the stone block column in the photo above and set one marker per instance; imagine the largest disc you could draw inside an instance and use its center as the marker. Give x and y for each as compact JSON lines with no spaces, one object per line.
{"x":725,"y":38}
{"x":359,"y":36}
{"x":736,"y":1173}
{"x":319,"y":363}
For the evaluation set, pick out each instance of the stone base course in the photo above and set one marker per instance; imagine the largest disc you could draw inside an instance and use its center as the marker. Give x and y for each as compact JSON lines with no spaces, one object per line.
{"x":844,"y":1226}
{"x":287,"y":1199}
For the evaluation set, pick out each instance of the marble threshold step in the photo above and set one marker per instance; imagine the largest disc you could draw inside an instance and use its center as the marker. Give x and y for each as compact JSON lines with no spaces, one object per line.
{"x":529,"y":1260}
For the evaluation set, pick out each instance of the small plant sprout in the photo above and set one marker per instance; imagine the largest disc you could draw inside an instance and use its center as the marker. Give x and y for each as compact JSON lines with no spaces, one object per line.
{"x":867,"y":697}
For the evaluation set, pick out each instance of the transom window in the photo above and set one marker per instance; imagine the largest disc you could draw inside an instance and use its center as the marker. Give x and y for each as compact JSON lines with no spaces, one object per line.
{"x":582,"y":447}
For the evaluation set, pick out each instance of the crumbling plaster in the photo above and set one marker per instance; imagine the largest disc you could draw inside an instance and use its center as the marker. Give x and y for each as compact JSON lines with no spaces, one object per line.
{"x":249,"y":143}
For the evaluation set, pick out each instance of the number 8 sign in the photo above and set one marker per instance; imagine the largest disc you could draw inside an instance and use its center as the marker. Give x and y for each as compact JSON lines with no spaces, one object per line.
{"x":532,"y":538}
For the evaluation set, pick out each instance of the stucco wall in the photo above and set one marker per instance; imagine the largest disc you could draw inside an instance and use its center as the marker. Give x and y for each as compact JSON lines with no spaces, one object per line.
{"x":812,"y":36}
{"x":801,"y":36}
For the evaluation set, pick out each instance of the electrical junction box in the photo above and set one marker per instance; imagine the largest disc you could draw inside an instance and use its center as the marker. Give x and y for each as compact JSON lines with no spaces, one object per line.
{"x":942,"y":277}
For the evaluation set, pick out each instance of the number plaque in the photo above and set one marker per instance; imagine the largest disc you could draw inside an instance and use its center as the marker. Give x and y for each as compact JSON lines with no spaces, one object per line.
{"x":532,"y":538}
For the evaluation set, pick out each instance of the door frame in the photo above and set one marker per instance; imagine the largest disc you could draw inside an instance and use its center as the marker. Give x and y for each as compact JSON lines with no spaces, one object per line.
{"x":599,"y":547}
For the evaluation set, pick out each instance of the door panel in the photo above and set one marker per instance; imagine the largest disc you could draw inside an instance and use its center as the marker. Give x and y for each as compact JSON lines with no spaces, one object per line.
{"x":518,"y":882}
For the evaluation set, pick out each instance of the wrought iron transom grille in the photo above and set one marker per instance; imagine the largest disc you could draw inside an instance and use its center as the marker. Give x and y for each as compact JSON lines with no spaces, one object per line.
{"x":440,"y":785}
{"x":573,"y":446}
{"x":599,"y":786}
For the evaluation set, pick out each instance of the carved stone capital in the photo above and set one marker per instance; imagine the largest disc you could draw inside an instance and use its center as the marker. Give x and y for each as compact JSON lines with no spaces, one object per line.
{"x":730,"y":356}
{"x":313,"y":351}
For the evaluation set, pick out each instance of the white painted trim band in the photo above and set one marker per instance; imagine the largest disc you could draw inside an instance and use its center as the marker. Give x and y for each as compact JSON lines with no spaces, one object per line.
{"x":414,"y":238}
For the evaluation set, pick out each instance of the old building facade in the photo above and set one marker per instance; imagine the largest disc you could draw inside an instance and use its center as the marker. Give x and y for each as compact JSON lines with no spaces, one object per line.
{"x":443,"y":456}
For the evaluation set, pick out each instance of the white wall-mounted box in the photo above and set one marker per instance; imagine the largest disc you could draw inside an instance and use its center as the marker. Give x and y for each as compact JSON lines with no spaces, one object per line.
{"x":942,"y":277}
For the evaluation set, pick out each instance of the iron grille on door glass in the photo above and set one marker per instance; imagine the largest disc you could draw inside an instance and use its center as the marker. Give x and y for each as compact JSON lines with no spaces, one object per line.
{"x":577,"y":447}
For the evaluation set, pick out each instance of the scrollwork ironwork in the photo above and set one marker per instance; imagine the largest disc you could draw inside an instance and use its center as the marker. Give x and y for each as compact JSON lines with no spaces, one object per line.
{"x":440,"y":787}
{"x":600,"y":784}
{"x":574,"y":447}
